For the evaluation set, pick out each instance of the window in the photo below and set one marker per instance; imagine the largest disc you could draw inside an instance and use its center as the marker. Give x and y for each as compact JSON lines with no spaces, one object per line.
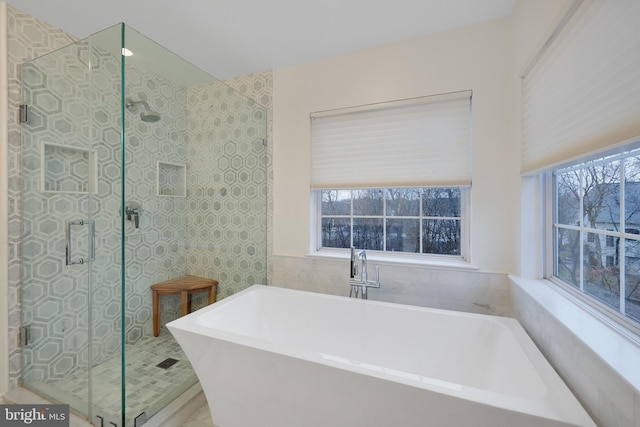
{"x":570,"y":111}
{"x":424,"y":220}
{"x":393,"y":177}
{"x":596,"y":243}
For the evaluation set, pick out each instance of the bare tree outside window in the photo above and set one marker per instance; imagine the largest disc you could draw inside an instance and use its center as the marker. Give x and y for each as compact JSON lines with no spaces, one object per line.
{"x":589,"y":237}
{"x":403,"y":222}
{"x":406,"y":220}
{"x":568,"y":213}
{"x":336,"y":226}
{"x":441,"y":231}
{"x":632,"y":228}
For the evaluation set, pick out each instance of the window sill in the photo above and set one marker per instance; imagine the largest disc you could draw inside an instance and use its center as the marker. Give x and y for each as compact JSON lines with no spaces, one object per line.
{"x":398,"y":259}
{"x":617,"y":346}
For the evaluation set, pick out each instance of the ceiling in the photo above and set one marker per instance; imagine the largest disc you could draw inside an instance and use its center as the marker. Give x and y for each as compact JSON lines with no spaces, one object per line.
{"x":230,"y":38}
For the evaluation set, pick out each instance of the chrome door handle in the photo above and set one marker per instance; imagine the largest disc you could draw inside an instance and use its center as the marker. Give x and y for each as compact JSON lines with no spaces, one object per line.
{"x":92,"y":241}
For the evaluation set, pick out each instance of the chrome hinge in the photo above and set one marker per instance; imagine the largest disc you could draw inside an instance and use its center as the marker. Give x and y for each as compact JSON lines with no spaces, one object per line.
{"x":264,"y":141}
{"x":140,"y":419}
{"x":23,"y":113}
{"x":24,"y":335}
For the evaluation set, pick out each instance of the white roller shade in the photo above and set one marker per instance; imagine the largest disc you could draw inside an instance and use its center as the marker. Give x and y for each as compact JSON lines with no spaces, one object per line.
{"x":583,"y":95}
{"x":418,"y":142}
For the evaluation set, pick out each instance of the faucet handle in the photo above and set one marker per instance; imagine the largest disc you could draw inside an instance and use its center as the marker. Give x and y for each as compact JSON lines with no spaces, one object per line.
{"x":132,"y":211}
{"x":354,"y":263}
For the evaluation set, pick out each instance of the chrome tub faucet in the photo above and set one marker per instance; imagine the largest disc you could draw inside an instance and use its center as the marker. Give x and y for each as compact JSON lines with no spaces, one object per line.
{"x":363,"y":283}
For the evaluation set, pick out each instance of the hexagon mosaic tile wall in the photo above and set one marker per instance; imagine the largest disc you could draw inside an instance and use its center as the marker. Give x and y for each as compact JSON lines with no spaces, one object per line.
{"x":227,"y":188}
{"x":27,"y":38}
{"x":218,"y":229}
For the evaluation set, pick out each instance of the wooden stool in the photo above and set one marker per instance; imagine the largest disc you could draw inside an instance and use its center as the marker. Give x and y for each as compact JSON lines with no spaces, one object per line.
{"x":184,"y":286}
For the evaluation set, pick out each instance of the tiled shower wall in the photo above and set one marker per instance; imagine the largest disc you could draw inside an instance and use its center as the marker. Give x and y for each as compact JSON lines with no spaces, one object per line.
{"x":226,"y":188}
{"x":161,"y":248}
{"x":259,"y":87}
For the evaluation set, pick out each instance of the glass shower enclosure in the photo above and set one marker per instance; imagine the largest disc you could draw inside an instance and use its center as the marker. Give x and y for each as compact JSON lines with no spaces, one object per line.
{"x":137,"y":168}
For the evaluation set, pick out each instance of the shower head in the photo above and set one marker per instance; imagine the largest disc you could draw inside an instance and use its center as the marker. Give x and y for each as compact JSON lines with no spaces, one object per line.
{"x":149,"y":116}
{"x":146,"y":115}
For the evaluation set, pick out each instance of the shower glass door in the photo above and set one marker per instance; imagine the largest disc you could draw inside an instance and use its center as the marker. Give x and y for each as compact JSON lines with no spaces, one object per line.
{"x":71,"y":246}
{"x":137,"y":168}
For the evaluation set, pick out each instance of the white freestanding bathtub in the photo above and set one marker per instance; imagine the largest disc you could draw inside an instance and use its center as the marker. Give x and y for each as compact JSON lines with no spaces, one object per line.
{"x":274,"y":357}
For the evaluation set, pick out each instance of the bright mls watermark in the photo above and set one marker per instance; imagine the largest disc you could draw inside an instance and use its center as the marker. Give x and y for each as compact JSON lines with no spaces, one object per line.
{"x":34,"y":415}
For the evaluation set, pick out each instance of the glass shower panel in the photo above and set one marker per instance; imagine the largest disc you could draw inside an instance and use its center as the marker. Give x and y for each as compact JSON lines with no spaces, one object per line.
{"x":105,"y":207}
{"x":155,"y":167}
{"x":195,"y":173}
{"x":70,"y":282}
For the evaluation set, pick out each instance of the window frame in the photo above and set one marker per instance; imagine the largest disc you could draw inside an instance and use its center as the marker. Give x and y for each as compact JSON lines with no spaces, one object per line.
{"x":614,"y":318}
{"x":421,"y":258}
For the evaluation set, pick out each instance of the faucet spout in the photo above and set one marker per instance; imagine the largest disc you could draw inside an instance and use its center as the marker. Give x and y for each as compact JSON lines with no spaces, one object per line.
{"x":360,"y":258}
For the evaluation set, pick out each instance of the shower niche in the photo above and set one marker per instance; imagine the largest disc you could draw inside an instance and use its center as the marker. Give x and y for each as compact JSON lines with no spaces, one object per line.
{"x":105,"y":129}
{"x":171,"y":179}
{"x":67,"y":169}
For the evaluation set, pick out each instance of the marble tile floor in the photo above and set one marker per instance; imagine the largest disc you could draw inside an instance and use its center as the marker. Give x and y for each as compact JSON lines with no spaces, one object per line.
{"x":200,"y":418}
{"x":149,"y":388}
{"x":22,"y":395}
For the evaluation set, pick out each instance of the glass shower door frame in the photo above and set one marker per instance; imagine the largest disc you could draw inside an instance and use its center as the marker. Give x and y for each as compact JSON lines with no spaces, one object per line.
{"x":64,"y":265}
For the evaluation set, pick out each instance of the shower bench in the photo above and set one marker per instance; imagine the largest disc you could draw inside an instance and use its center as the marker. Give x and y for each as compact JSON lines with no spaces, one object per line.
{"x":184,"y":286}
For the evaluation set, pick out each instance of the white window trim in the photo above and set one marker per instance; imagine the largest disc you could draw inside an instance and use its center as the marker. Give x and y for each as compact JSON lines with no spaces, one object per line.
{"x":462,"y":262}
{"x":604,"y":314}
{"x":610,"y":317}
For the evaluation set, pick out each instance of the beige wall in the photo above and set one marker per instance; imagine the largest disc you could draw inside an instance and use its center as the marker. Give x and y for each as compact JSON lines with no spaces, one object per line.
{"x":478,"y":57}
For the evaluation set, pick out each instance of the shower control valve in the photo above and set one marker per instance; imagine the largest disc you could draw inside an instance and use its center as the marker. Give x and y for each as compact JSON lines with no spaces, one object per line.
{"x":132,"y":211}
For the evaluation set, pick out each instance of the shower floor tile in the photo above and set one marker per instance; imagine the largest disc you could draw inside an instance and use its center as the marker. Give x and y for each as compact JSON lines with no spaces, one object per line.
{"x":148,"y":387}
